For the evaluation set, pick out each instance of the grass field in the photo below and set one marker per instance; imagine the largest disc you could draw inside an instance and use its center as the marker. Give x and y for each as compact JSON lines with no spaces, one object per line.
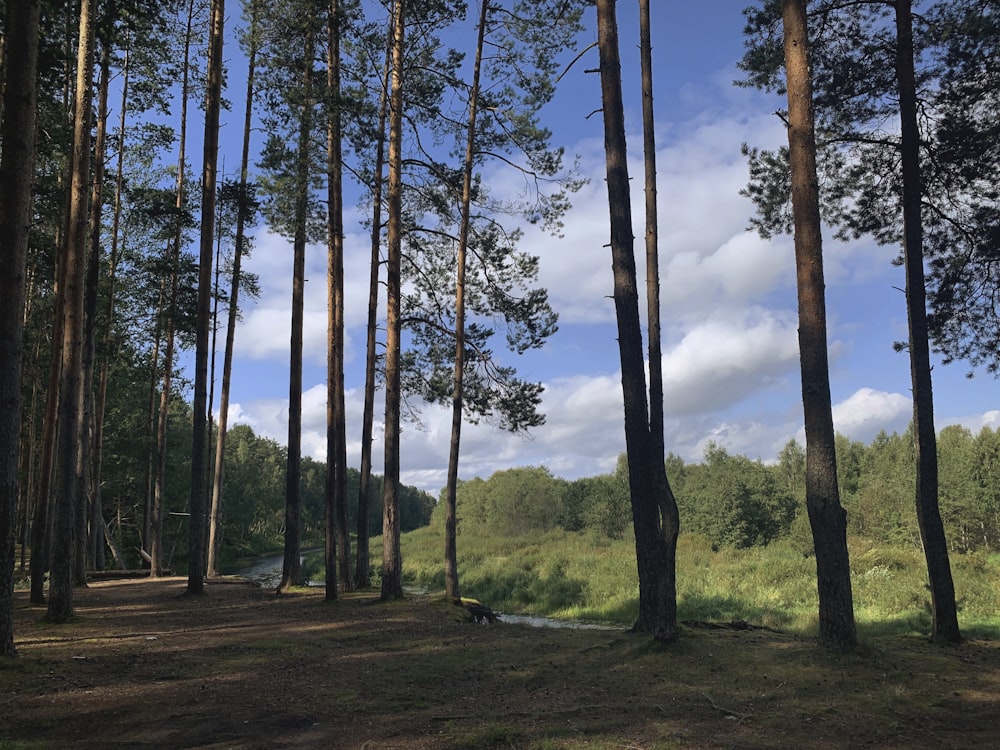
{"x":583,"y":577}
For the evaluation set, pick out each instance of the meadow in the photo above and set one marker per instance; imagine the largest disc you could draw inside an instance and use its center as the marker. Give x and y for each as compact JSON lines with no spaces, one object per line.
{"x":581,"y":576}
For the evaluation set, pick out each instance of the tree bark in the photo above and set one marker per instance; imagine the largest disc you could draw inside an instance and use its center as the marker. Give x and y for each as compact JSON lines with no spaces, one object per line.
{"x":338,"y":539}
{"x":655,"y":527}
{"x":291,"y":574}
{"x":652,"y":237}
{"x":218,"y":477}
{"x":102,"y":385}
{"x":826,"y":516}
{"x":362,"y":575}
{"x":90,"y":530}
{"x":17,"y":132}
{"x":155,"y":539}
{"x":451,"y":489}
{"x":392,"y":565}
{"x":70,"y":470}
{"x":199,"y":441}
{"x":943,"y":607}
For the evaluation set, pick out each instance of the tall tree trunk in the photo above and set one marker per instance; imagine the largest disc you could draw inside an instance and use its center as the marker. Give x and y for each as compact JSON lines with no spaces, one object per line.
{"x":102,"y":387}
{"x":28,"y":451}
{"x":826,"y":516}
{"x":215,"y":522}
{"x":451,"y":488}
{"x":152,"y":425}
{"x":155,"y":536}
{"x":392,"y":558}
{"x":42,"y":518}
{"x":70,"y":483}
{"x":338,"y":538}
{"x":199,"y":438}
{"x":291,"y":573}
{"x":943,"y":608}
{"x":156,"y":523}
{"x":90,"y":527}
{"x":17,"y":132}
{"x":41,"y":524}
{"x":652,"y":237}
{"x":647,"y":480}
{"x":362,"y":575}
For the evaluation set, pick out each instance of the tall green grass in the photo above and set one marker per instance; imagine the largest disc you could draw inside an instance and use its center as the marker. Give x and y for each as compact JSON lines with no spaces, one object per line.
{"x":580,"y":576}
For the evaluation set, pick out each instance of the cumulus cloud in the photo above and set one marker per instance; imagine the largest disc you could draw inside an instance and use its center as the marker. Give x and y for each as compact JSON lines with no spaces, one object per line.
{"x":730,"y":357}
{"x":725,"y":359}
{"x":867,"y":411}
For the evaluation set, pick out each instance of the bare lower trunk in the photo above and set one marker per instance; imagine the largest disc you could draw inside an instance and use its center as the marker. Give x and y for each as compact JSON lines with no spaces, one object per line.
{"x":943,"y":607}
{"x":215,"y":522}
{"x":362,"y":574}
{"x":291,"y":573}
{"x":91,"y":534}
{"x":654,"y":515}
{"x":70,"y":469}
{"x":392,"y":564}
{"x":652,"y":238}
{"x":17,"y":132}
{"x":826,"y":516}
{"x":337,"y":532}
{"x":102,"y":387}
{"x":199,"y":437}
{"x":451,"y":489}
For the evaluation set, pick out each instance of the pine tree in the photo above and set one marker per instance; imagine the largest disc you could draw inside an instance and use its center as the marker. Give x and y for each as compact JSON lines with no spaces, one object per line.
{"x":655,"y":529}
{"x":826,"y":516}
{"x":17,"y":133}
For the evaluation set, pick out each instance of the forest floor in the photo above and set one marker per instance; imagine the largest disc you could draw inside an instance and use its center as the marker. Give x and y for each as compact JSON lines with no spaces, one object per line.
{"x":145,"y":666}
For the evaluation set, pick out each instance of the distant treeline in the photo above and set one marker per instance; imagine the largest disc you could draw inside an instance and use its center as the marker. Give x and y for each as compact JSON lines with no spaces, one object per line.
{"x":732,"y":500}
{"x":253,"y":502}
{"x":738,"y":502}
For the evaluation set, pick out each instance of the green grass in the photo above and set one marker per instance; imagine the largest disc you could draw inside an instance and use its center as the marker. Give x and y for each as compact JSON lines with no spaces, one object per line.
{"x":579,"y":576}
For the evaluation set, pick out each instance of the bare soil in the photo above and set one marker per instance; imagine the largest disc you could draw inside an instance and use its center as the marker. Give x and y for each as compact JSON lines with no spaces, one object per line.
{"x":145,"y":666}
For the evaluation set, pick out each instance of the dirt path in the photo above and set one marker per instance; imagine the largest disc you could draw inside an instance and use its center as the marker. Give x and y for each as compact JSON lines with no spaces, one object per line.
{"x":146,"y":667}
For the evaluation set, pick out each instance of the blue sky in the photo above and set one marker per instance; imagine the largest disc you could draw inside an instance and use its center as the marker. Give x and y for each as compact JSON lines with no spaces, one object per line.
{"x":730,"y":349}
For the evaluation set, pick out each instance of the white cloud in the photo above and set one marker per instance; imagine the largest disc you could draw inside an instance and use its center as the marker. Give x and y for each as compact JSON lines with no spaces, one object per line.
{"x":867,"y":411}
{"x":976,"y":422}
{"x":730,"y":348}
{"x":723,"y":360}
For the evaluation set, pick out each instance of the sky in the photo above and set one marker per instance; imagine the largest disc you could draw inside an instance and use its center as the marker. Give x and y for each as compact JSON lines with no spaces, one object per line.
{"x":730,"y":353}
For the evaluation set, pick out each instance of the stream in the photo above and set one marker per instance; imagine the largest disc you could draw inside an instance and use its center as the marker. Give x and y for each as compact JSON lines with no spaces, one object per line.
{"x":265,"y":570}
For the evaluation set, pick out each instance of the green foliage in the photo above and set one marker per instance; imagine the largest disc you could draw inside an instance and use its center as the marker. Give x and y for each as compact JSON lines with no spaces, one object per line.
{"x":510,"y":502}
{"x":735,"y":501}
{"x":969,"y":477}
{"x":600,"y":504}
{"x":578,"y":576}
{"x":882,"y":509}
{"x":855,"y":96}
{"x":254,"y":497}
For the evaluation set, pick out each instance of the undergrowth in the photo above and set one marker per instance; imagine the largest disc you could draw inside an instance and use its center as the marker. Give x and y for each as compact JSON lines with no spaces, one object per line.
{"x":580,"y":576}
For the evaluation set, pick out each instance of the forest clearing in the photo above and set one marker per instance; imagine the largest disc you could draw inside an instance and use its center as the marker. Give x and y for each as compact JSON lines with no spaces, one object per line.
{"x":145,"y":665}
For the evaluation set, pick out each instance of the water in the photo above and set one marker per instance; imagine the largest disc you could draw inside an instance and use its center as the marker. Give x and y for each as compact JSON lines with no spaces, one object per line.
{"x":548,"y":622}
{"x":265,"y":570}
